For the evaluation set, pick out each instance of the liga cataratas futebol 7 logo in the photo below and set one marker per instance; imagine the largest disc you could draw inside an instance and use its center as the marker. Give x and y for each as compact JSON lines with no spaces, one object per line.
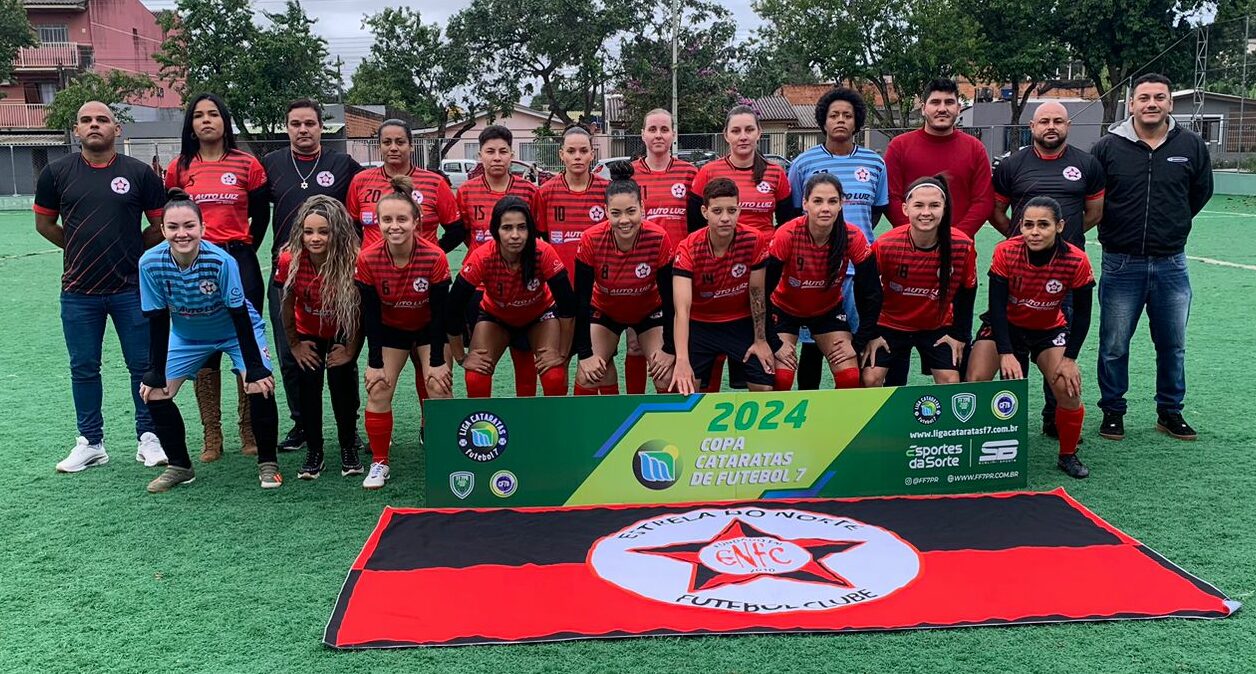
{"x":482,"y":436}
{"x":755,"y":560}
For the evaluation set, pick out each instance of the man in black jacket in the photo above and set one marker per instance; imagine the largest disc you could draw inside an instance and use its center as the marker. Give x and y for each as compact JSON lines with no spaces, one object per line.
{"x":1159,"y":177}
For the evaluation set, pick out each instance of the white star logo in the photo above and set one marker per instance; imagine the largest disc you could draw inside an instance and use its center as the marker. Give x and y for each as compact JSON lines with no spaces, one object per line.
{"x":1072,"y":173}
{"x":863,"y":175}
{"x":643,"y":270}
{"x":679,"y":191}
{"x":229,"y":179}
{"x":597,"y":214}
{"x":1054,"y":287}
{"x":120,"y":185}
{"x":765,"y":187}
{"x":739,"y":270}
{"x":325,"y":178}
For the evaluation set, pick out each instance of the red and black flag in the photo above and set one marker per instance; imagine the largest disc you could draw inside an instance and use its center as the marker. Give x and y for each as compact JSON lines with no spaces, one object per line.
{"x":453,"y":577}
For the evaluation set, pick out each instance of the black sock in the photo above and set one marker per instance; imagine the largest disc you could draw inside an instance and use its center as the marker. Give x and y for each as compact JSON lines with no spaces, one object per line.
{"x":265,"y":418}
{"x":168,"y":425}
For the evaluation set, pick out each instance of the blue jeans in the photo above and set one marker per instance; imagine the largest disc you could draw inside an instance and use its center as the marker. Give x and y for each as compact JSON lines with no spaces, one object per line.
{"x":1128,"y":284}
{"x":83,"y":321}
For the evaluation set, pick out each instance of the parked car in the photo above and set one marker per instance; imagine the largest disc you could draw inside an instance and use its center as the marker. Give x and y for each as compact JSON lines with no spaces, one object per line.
{"x":527,"y":170}
{"x":457,"y":170}
{"x":778,"y":160}
{"x":697,"y":157}
{"x":601,"y":170}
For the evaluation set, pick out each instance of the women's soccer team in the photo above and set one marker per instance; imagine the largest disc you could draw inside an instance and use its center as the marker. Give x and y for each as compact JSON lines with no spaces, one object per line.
{"x":689,"y":270}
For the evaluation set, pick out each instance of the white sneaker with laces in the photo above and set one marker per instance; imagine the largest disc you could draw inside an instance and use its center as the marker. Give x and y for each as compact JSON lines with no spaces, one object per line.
{"x":377,"y":476}
{"x":149,"y":451}
{"x":83,"y":456}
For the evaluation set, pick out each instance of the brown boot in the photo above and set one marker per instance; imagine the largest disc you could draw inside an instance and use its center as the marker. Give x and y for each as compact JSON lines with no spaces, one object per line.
{"x":209,"y":402}
{"x":248,"y":445}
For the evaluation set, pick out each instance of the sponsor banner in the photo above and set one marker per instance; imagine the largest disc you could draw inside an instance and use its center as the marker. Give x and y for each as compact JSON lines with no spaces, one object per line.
{"x":468,"y":576}
{"x":499,"y":452}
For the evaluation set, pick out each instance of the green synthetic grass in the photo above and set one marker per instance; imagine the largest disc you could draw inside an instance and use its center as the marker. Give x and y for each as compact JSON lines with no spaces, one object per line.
{"x":98,"y":575}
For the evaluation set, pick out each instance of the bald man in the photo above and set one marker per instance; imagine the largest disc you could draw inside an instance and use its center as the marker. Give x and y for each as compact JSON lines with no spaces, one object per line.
{"x":1050,"y":167}
{"x":92,"y":206}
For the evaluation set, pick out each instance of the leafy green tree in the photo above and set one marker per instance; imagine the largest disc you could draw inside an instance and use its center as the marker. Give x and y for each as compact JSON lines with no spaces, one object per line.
{"x":115,"y":89}
{"x":15,"y":33}
{"x":1016,"y":43}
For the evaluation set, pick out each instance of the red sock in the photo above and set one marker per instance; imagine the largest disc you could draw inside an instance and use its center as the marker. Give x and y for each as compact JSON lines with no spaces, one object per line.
{"x":634,"y":374}
{"x":613,"y":389}
{"x":379,"y":428}
{"x":479,"y":385}
{"x":582,"y":391}
{"x":525,"y":373}
{"x":420,"y":385}
{"x":717,"y":374}
{"x":847,"y":378}
{"x":784,"y":379}
{"x":554,"y":381}
{"x":1069,"y":424}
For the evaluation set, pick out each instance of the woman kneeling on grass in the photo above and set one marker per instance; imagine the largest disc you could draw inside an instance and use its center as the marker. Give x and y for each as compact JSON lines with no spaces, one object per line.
{"x":190,"y":291}
{"x":1029,"y":279}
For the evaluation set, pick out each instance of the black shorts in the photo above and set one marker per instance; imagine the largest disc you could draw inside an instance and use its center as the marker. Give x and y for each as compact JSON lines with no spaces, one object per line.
{"x":901,"y":343}
{"x":833,"y":321}
{"x":654,"y":320}
{"x":404,"y":340}
{"x":1027,"y":344}
{"x":518,"y":342}
{"x":707,"y":341}
{"x":518,"y":333}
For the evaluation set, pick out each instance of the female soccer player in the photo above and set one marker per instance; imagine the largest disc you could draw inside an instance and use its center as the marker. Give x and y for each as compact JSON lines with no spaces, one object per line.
{"x":191,"y":292}
{"x":623,"y":281}
{"x":431,"y":191}
{"x":929,"y":281}
{"x":1029,"y":279}
{"x":403,"y":281}
{"x":229,"y":186}
{"x":807,"y":264}
{"x":320,"y":315}
{"x":526,"y":292}
{"x":763,"y":186}
{"x":718,"y":282}
{"x":572,"y":201}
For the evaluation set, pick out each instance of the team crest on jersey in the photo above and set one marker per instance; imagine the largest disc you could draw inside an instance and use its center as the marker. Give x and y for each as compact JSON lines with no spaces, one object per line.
{"x":325,"y":178}
{"x":229,"y":179}
{"x":679,"y":191}
{"x":417,"y":196}
{"x":863,"y":175}
{"x":597,"y":213}
{"x":534,"y":284}
{"x":1072,"y":173}
{"x":643,"y":270}
{"x":1054,"y":287}
{"x":739,"y":270}
{"x":120,"y":185}
{"x":764,"y":186}
{"x":208,"y":287}
{"x":420,"y":285}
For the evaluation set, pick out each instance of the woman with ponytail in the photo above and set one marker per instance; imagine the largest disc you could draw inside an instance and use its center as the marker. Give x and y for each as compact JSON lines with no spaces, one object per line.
{"x":197,"y":309}
{"x":929,"y":281}
{"x":572,"y":201}
{"x":321,"y":321}
{"x":807,"y":264}
{"x":403,"y":280}
{"x":623,"y":281}
{"x":527,"y":293}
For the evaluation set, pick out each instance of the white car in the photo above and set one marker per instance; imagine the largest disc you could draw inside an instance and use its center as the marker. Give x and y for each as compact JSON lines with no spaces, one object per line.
{"x":457,"y":170}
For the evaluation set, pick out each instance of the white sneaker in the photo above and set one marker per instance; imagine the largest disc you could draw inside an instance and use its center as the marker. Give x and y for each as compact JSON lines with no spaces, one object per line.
{"x":83,"y":456}
{"x":149,"y":451}
{"x":377,"y":476}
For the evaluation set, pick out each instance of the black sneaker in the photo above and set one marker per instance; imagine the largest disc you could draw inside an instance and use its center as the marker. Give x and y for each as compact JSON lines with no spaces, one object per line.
{"x":294,"y":441}
{"x":350,"y":464}
{"x":1113,"y":427}
{"x":1175,"y":426}
{"x":1073,"y":466}
{"x":313,"y":466}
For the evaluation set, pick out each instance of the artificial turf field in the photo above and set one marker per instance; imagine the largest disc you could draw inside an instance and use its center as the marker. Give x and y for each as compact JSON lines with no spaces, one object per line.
{"x":99,"y":575}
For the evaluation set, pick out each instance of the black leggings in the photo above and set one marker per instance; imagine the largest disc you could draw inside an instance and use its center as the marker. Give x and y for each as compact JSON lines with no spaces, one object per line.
{"x":250,"y":278}
{"x":345,"y":399}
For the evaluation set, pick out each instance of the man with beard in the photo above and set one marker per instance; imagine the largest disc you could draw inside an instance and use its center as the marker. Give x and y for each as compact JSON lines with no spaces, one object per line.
{"x":1050,"y":167}
{"x":99,"y":196}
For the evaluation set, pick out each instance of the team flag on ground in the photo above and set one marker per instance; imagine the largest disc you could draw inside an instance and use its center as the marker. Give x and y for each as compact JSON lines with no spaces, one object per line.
{"x":453,"y":577}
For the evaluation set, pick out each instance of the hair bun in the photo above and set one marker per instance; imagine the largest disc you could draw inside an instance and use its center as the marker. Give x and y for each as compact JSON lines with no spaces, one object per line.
{"x":620,"y":170}
{"x":177,"y":194}
{"x":401,"y":184}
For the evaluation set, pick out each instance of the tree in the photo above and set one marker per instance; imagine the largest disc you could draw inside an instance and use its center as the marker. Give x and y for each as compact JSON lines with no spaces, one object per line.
{"x":202,"y":45}
{"x":889,"y":50}
{"x":420,"y":69}
{"x":768,"y":63}
{"x":15,"y":33}
{"x":114,"y":89}
{"x":285,"y":62}
{"x":541,"y":46}
{"x":1030,"y":28}
{"x":706,"y":79}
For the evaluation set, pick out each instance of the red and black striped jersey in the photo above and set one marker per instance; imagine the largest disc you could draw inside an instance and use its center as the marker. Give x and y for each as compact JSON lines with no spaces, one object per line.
{"x":665,"y":195}
{"x":563,"y":214}
{"x":804,"y":290}
{"x":221,"y":188}
{"x":757,"y":200}
{"x":1035,"y":292}
{"x":431,"y":193}
{"x":311,"y":318}
{"x":909,"y":280}
{"x":625,"y":284}
{"x":506,"y":297}
{"x":721,"y":285}
{"x":404,"y":292}
{"x":476,"y":201}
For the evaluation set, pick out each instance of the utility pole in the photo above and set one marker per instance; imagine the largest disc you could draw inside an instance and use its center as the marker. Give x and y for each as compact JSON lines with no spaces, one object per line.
{"x":675,"y":51}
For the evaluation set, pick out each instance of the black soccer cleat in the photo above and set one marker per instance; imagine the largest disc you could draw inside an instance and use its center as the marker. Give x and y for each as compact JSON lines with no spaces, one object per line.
{"x":350,"y":464}
{"x":1113,"y":427}
{"x":1172,"y":424}
{"x":294,"y":441}
{"x":313,"y":466}
{"x":1073,"y":466}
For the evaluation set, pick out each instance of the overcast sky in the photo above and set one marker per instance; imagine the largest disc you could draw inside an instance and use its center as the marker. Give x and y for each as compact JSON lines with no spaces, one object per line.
{"x":340,"y":21}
